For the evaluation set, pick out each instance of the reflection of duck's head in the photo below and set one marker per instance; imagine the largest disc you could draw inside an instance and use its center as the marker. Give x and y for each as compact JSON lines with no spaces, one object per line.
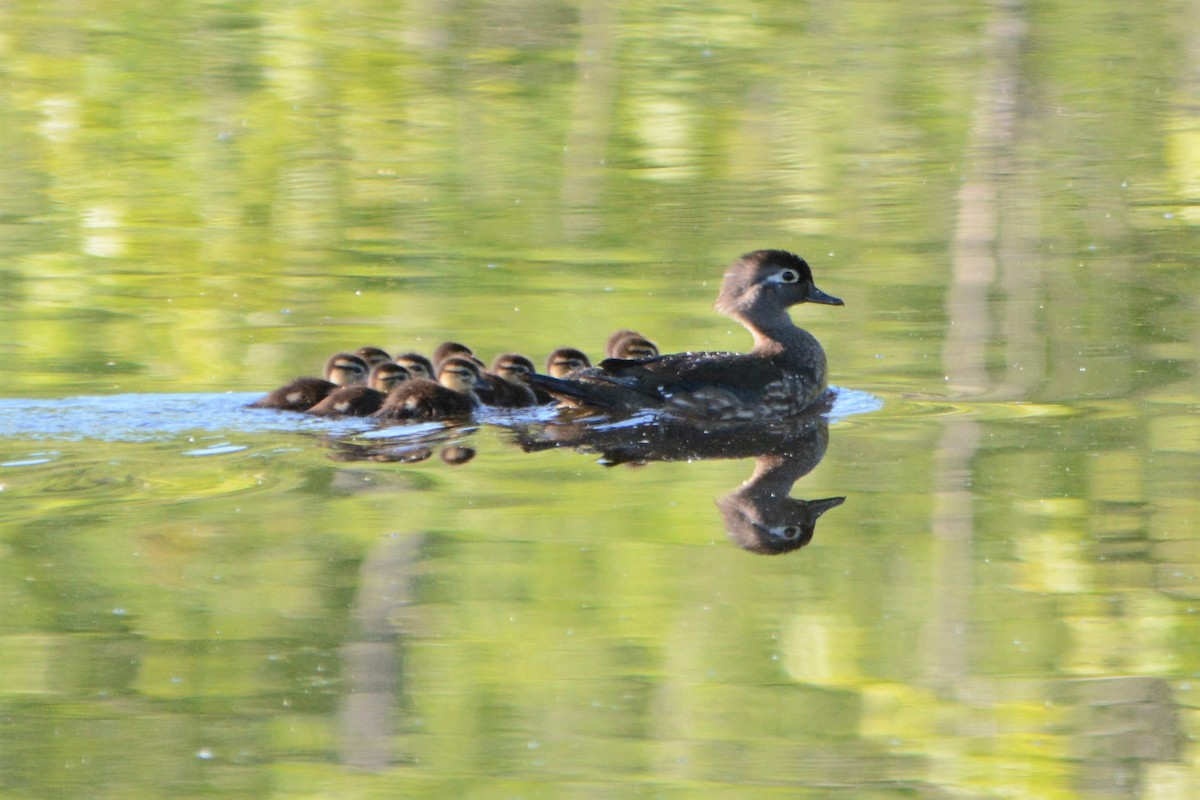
{"x":760,"y":286}
{"x":418,"y":366}
{"x":346,"y":369}
{"x":373,"y":355}
{"x":566,"y":360}
{"x":771,"y":526}
{"x":385,"y":376}
{"x":631,"y":346}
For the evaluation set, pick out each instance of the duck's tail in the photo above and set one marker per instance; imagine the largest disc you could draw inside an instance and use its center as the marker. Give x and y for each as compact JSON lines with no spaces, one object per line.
{"x":574,"y":393}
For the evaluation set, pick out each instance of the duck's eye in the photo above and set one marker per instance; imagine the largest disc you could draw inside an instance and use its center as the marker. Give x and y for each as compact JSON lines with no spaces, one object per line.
{"x":791,"y":532}
{"x":789,"y":276}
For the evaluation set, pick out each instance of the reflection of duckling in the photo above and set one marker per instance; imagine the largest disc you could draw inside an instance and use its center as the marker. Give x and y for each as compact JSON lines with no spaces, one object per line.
{"x":418,"y":366}
{"x":452,"y":396}
{"x":373,"y":355}
{"x":362,"y":401}
{"x":631,"y":345}
{"x":781,"y":376}
{"x":301,"y":394}
{"x":565,"y":360}
{"x":507,"y":384}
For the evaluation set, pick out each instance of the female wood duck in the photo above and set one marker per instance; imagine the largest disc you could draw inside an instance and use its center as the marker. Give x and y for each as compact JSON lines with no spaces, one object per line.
{"x":418,"y":366}
{"x":506,"y":380}
{"x":781,"y":375}
{"x":630,"y":345}
{"x":301,"y":394}
{"x":359,"y":400}
{"x":453,"y":395}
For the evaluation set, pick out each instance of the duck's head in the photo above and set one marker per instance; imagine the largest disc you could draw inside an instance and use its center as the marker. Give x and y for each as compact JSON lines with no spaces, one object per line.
{"x":346,"y":369}
{"x":386,"y":375}
{"x":767,"y":281}
{"x":461,"y":374}
{"x":373,"y":355}
{"x":615,"y":337}
{"x":565,"y":360}
{"x":512,"y":368}
{"x":447,"y":350}
{"x":633,"y":345}
{"x":418,"y":366}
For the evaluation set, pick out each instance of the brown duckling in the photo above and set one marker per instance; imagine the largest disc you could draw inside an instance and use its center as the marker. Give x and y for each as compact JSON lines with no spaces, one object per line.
{"x":447,"y":350}
{"x":507,"y":388}
{"x":373,"y":355}
{"x":359,"y":400}
{"x":453,"y":395}
{"x":418,"y":366}
{"x":301,"y":394}
{"x":630,"y":345}
{"x":565,"y":360}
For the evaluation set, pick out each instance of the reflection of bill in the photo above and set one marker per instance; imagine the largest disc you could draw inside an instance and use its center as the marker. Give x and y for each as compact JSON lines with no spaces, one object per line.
{"x":759,"y":516}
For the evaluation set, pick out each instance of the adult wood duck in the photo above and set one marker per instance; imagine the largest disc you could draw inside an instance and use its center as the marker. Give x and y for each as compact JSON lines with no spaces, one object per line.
{"x":418,"y":366}
{"x":781,"y":375}
{"x":301,"y":394}
{"x":506,"y":382}
{"x":453,"y":395}
{"x":359,"y":400}
{"x":630,"y":345}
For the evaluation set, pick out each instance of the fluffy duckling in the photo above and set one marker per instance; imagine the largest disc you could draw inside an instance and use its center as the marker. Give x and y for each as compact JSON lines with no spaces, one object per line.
{"x":373,"y":355}
{"x":418,"y":366}
{"x":453,"y":395}
{"x":362,"y":401}
{"x":630,"y":345}
{"x":447,"y":350}
{"x":301,"y":394}
{"x":506,"y":381}
{"x":565,"y":360}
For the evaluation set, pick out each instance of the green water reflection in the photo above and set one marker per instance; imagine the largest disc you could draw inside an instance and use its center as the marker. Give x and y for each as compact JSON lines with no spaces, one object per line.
{"x":208,"y":198}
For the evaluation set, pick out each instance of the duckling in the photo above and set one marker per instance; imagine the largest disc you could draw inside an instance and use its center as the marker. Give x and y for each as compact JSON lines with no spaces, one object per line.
{"x":373,"y":355}
{"x":453,"y":395}
{"x":782,"y":375}
{"x":362,"y":401}
{"x":301,"y":394}
{"x":507,"y":384}
{"x":630,"y":345}
{"x":418,"y":366}
{"x":565,"y":360}
{"x":453,"y":349}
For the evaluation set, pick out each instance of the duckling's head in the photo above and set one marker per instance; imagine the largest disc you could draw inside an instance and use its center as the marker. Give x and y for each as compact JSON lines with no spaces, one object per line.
{"x":386,"y":375}
{"x":615,"y":337}
{"x":565,"y":360}
{"x":346,"y":369}
{"x":768,"y":281}
{"x":512,"y":367}
{"x":461,"y":374}
{"x":372,"y":355}
{"x":418,"y":366}
{"x":633,"y":345}
{"x":447,"y":350}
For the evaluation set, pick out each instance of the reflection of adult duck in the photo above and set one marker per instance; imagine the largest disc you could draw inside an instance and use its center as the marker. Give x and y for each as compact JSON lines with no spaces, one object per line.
{"x":301,"y":394}
{"x":782,"y":375}
{"x":759,"y":516}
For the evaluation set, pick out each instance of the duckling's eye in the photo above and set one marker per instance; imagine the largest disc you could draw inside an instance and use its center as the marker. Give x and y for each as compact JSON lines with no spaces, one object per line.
{"x":789,"y":276}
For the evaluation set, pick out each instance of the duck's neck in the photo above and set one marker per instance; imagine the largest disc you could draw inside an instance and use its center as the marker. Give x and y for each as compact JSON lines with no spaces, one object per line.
{"x":777,"y":337}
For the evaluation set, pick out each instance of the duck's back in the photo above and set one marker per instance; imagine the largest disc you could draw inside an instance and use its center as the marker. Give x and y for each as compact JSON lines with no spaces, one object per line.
{"x":300,"y":394}
{"x":424,"y":400}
